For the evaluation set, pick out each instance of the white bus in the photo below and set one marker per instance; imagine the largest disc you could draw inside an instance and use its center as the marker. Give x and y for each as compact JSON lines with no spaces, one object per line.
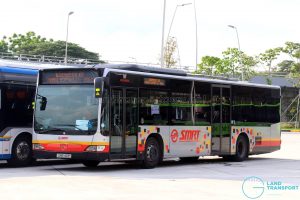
{"x":17,"y":92}
{"x":131,"y":112}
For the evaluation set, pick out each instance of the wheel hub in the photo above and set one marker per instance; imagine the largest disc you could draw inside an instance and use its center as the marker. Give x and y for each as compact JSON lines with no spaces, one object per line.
{"x":23,"y":150}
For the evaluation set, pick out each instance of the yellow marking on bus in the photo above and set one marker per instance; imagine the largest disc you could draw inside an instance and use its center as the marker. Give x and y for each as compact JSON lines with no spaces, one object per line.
{"x":6,"y":137}
{"x":209,"y":129}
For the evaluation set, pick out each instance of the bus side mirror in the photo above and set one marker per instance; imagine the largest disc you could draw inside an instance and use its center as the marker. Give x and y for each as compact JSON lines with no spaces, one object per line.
{"x":43,"y":103}
{"x":99,"y":82}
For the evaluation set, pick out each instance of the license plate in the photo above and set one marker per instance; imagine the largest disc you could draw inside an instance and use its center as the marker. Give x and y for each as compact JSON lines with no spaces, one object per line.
{"x":63,"y":155}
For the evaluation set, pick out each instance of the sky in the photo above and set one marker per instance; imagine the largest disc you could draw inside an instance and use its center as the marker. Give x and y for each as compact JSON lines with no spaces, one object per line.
{"x":132,"y":30}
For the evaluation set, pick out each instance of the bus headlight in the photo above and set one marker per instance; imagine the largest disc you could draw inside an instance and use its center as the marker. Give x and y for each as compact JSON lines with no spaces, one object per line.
{"x":95,"y":148}
{"x":37,"y":147}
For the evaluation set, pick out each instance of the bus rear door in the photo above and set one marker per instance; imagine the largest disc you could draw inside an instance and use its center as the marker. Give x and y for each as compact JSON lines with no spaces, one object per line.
{"x":221,"y":118}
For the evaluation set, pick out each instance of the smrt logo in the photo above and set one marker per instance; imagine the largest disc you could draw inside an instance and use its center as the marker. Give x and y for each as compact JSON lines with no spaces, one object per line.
{"x":185,"y":135}
{"x":174,"y":135}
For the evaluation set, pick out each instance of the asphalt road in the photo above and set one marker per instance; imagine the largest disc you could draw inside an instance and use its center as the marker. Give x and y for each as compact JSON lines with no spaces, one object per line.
{"x":209,"y":178}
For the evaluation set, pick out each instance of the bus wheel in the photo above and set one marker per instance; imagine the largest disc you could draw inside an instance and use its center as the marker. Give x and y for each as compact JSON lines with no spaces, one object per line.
{"x":242,"y":149}
{"x":152,"y":154}
{"x":21,"y":152}
{"x":90,"y":163}
{"x":189,"y":159}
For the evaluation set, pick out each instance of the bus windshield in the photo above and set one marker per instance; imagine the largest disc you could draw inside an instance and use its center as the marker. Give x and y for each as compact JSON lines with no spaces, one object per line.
{"x":71,"y":109}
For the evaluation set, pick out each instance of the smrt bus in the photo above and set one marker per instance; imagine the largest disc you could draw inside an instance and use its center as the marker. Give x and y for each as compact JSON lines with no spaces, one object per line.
{"x":17,"y":92}
{"x":131,"y":112}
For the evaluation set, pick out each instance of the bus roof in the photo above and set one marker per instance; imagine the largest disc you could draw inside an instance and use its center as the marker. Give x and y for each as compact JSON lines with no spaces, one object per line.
{"x":18,"y":71}
{"x":176,"y":74}
{"x":168,"y":73}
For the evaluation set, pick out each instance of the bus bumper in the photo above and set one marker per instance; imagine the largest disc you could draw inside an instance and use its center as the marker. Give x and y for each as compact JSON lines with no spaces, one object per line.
{"x":73,"y":156}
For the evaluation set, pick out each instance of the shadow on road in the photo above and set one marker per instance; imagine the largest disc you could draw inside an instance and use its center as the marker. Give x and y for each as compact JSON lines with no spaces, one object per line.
{"x":202,"y":162}
{"x":41,"y":163}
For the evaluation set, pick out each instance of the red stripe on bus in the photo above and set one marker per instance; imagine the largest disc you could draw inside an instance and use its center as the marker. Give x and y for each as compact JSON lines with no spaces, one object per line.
{"x":65,"y":147}
{"x":141,"y":147}
{"x":269,"y":143}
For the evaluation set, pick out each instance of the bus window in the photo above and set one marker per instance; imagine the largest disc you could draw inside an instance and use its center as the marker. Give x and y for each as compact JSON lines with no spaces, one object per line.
{"x":181,"y":104}
{"x":18,"y":109}
{"x":202,"y":103}
{"x":153,"y":107}
{"x":242,"y":105}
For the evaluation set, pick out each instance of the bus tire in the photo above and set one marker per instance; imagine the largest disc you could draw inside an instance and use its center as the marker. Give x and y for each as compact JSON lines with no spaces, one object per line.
{"x":152,"y":154}
{"x":242,"y":149}
{"x":90,"y":163}
{"x":21,"y":152}
{"x":189,"y":159}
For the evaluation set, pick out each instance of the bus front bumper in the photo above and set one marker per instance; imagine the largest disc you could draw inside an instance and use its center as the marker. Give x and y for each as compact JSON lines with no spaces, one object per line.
{"x":70,"y":155}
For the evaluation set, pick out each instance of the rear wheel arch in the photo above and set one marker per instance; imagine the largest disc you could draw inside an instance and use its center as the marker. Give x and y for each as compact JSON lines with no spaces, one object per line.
{"x":160,"y":141}
{"x":241,"y":149}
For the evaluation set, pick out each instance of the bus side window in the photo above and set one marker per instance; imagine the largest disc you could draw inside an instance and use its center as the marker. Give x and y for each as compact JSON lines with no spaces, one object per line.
{"x":153,"y":107}
{"x":181,"y":102}
{"x":202,"y":103}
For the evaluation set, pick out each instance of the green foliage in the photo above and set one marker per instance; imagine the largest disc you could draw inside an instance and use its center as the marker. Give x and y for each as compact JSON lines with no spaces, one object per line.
{"x":33,"y":44}
{"x":269,"y":81}
{"x":285,"y":66}
{"x":209,"y":65}
{"x":233,"y":63}
{"x":292,"y":66}
{"x":231,"y":58}
{"x":269,"y":56}
{"x":292,"y":49}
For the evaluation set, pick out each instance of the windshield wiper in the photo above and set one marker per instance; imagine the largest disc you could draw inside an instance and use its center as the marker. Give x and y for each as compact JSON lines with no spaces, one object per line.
{"x":76,"y":127}
{"x":49,"y":130}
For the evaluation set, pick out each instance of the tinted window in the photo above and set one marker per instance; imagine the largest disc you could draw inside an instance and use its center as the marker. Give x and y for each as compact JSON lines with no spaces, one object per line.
{"x":17,"y":105}
{"x":202,"y":103}
{"x":255,"y":105}
{"x":153,"y":107}
{"x":181,"y":102}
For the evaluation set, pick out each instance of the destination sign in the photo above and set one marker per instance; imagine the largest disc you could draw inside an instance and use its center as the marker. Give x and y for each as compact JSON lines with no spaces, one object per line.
{"x":68,"y":77}
{"x":154,"y":81}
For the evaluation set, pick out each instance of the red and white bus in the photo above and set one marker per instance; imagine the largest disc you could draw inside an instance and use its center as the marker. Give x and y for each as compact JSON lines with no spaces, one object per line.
{"x":131,"y":112}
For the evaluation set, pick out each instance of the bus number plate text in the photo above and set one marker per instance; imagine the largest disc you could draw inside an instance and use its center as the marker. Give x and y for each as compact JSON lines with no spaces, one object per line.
{"x":63,"y":155}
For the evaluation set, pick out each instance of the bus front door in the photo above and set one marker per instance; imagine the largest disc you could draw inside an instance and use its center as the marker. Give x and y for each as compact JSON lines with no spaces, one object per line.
{"x":124,"y":123}
{"x":221,"y":117}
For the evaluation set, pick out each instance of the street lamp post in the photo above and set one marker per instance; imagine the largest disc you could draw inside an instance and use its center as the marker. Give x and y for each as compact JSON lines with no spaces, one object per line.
{"x":163,"y":29}
{"x":238,"y":40}
{"x":66,"y":51}
{"x":196,"y":27}
{"x":181,"y":5}
{"x":162,"y":37}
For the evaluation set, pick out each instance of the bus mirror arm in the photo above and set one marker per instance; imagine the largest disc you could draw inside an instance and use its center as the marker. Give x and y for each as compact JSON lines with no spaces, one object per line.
{"x":99,"y":82}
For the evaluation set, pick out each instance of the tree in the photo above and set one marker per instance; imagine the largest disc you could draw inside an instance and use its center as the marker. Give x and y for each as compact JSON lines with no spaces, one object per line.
{"x":269,"y":56}
{"x":169,"y":52}
{"x":285,"y":66}
{"x":232,"y":64}
{"x":293,"y":65}
{"x":3,"y":45}
{"x":231,"y":61}
{"x":247,"y":64}
{"x":209,"y":65}
{"x":33,"y":44}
